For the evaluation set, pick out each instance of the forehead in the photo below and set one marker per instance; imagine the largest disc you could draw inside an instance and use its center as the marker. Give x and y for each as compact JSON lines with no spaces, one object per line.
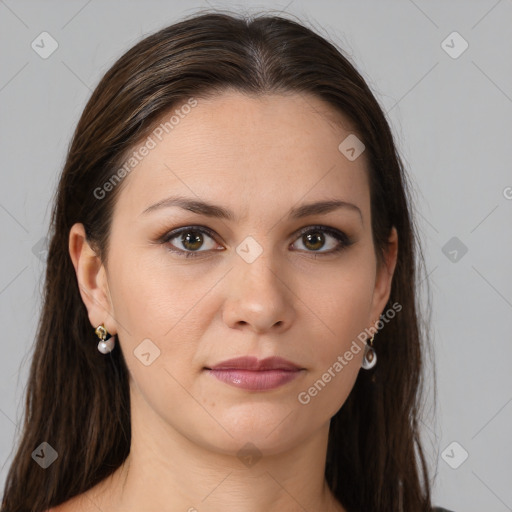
{"x":246,"y":150}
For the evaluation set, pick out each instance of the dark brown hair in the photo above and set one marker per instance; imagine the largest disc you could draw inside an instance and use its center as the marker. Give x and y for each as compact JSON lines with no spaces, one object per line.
{"x":78,"y":399}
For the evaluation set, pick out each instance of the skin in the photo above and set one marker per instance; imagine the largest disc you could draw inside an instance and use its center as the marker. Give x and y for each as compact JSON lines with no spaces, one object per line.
{"x":259,"y":157}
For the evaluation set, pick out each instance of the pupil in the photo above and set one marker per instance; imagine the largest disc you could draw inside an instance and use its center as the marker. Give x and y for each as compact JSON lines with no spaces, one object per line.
{"x":314,"y":239}
{"x":188,"y":239}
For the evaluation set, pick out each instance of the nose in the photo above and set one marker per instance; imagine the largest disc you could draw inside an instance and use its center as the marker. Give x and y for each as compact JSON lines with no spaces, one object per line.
{"x":258,"y":297}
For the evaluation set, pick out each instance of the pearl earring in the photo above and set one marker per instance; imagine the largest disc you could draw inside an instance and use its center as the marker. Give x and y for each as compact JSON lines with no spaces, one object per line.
{"x":105,"y":345}
{"x":370,"y":357}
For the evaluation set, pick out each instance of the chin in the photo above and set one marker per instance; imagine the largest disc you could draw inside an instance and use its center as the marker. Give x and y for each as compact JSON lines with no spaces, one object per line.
{"x":269,"y":428}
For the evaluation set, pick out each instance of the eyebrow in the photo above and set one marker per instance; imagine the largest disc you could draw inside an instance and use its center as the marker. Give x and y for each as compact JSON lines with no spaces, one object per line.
{"x":219,"y":212}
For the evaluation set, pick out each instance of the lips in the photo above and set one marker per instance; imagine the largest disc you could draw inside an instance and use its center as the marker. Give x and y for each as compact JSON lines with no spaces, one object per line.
{"x":256,"y":374}
{"x":254,"y":364}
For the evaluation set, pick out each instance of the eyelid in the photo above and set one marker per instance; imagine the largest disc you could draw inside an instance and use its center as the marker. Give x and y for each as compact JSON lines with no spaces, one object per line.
{"x":327,"y":229}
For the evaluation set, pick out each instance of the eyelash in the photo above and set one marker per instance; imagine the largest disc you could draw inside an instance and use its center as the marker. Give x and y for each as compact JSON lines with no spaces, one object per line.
{"x":340,"y":236}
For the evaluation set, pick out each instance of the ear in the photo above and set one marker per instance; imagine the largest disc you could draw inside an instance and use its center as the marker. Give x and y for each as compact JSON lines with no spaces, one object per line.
{"x":92,"y":280}
{"x":384,"y":277}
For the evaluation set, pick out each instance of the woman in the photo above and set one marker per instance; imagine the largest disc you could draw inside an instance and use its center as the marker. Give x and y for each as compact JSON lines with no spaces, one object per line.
{"x":232,"y":223}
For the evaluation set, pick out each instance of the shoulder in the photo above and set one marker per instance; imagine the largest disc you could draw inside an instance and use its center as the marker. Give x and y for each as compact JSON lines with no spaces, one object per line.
{"x":440,"y":509}
{"x":72,"y":505}
{"x":92,"y":500}
{"x":65,"y":507}
{"x":61,"y":508}
{"x":95,"y":499}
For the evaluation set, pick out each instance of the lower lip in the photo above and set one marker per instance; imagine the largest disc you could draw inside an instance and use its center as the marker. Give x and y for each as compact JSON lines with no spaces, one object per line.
{"x":255,"y":380}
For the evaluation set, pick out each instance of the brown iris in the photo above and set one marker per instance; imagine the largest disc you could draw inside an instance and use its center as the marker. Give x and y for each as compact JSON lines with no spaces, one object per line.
{"x":315,"y":240}
{"x":192,"y":240}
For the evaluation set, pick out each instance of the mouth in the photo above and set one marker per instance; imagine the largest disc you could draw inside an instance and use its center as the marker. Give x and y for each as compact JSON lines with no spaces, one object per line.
{"x":253,"y":374}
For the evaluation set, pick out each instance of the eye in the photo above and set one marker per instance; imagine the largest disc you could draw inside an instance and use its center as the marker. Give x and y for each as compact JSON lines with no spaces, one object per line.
{"x":314,"y":238}
{"x":191,"y":240}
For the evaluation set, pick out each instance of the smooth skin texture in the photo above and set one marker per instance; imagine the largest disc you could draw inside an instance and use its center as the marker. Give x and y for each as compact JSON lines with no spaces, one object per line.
{"x":258,"y":157}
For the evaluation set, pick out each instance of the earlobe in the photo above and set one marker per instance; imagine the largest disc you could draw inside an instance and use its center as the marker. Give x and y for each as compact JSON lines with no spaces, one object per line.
{"x":91,"y":278}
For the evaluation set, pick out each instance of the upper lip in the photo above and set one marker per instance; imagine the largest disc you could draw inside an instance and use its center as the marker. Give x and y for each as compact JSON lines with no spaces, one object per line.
{"x":255,"y":364}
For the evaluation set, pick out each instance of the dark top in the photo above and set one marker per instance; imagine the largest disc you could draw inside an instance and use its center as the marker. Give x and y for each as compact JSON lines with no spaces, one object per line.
{"x":439,"y":509}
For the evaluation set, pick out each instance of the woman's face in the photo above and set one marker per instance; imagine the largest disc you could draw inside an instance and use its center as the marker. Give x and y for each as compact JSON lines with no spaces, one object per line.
{"x":263,"y":277}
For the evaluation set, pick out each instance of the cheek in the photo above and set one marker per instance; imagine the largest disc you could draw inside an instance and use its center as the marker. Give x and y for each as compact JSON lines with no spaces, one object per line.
{"x":153,"y":298}
{"x":335,"y":352}
{"x":339,"y":306}
{"x":155,"y":302}
{"x":156,"y":312}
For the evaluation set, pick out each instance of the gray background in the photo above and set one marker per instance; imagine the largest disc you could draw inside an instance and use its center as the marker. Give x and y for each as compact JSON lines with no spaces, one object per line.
{"x":452,"y":120}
